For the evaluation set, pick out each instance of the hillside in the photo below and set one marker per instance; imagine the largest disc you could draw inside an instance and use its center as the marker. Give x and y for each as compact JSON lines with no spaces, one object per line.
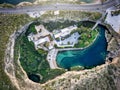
{"x":103,"y":77}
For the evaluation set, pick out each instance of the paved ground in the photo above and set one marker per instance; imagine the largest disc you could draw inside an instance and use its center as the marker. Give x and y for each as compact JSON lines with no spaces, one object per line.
{"x":51,"y":58}
{"x":114,"y":21}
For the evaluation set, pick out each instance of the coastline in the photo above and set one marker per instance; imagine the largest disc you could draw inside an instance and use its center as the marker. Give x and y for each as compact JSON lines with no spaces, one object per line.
{"x":45,"y":2}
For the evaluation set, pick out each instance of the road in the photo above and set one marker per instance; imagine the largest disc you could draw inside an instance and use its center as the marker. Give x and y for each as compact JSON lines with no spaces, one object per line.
{"x":38,"y":8}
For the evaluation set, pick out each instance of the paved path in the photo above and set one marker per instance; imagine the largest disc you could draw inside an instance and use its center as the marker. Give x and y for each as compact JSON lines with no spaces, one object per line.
{"x":38,"y":8}
{"x":51,"y":58}
{"x":98,"y":22}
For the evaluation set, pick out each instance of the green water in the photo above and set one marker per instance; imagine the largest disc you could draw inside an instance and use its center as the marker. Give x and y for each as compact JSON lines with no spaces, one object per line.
{"x":91,"y":56}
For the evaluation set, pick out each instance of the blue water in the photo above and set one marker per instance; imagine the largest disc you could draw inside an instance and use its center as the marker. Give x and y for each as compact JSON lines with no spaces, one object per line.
{"x":88,"y":57}
{"x":18,"y":1}
{"x":14,"y":1}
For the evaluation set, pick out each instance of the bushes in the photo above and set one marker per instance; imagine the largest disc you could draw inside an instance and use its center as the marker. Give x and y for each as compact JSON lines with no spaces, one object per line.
{"x":34,"y":61}
{"x":30,"y":58}
{"x":115,"y":13}
{"x":8,"y":24}
{"x":31,"y":29}
{"x":77,"y":68}
{"x":6,"y":5}
{"x":58,"y":25}
{"x":87,"y":35}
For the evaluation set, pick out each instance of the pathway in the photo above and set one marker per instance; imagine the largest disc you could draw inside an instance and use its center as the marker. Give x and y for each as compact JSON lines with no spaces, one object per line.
{"x":51,"y":58}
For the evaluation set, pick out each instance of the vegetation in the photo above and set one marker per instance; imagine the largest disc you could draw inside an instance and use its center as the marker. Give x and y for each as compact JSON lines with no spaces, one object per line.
{"x":87,"y":36}
{"x":70,"y":15}
{"x":8,"y":24}
{"x":46,"y":2}
{"x":51,"y":25}
{"x":6,"y":5}
{"x":31,"y":29}
{"x":34,"y":61}
{"x":115,"y":13}
{"x":77,"y":68}
{"x":84,"y":29}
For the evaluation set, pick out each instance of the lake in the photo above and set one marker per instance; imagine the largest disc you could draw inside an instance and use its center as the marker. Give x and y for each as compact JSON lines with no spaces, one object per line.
{"x":91,"y":56}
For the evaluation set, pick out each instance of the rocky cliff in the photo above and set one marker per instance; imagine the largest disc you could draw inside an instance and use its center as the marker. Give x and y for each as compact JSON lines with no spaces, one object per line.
{"x":103,"y":77}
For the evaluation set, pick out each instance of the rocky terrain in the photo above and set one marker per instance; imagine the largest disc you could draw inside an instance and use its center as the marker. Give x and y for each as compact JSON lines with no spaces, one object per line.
{"x":103,"y":77}
{"x":45,"y":2}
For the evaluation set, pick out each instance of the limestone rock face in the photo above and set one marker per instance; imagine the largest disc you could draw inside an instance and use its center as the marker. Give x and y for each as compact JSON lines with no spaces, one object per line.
{"x":108,"y":36}
{"x":24,"y":4}
{"x":104,"y":77}
{"x":113,"y":45}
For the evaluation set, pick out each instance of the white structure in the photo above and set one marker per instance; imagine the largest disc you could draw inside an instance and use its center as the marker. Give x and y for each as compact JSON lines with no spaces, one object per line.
{"x":56,"y":12}
{"x":35,"y":14}
{"x":41,"y":40}
{"x":41,"y":32}
{"x":41,"y":37}
{"x":30,"y":37}
{"x":64,"y":32}
{"x":114,"y":21}
{"x":70,"y":41}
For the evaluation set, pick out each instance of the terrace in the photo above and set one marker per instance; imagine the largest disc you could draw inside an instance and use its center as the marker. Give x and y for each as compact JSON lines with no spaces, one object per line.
{"x":40,"y":38}
{"x":68,"y":42}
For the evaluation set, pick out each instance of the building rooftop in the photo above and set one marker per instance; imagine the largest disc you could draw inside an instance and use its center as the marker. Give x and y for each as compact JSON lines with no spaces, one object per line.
{"x":42,"y":40}
{"x":65,"y":31}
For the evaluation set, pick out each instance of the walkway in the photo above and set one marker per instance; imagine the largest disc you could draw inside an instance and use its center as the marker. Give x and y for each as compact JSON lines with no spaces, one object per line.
{"x":99,"y":21}
{"x":96,"y":24}
{"x":51,"y":58}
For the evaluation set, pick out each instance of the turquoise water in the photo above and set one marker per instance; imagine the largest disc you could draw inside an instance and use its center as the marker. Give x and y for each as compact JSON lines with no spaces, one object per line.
{"x":91,"y":56}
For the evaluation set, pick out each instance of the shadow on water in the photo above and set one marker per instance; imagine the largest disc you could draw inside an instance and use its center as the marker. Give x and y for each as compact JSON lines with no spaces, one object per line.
{"x":34,"y":78}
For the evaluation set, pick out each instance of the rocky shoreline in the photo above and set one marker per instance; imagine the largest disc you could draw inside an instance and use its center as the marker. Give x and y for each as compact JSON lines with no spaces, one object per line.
{"x":42,"y":2}
{"x":113,"y":44}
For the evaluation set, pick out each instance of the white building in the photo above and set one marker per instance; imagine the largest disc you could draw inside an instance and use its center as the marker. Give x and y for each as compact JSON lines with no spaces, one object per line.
{"x":64,"y":32}
{"x":30,"y":37}
{"x":35,"y":14}
{"x":56,"y":12}
{"x":41,"y":37}
{"x":70,"y":41}
{"x":41,"y":40}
